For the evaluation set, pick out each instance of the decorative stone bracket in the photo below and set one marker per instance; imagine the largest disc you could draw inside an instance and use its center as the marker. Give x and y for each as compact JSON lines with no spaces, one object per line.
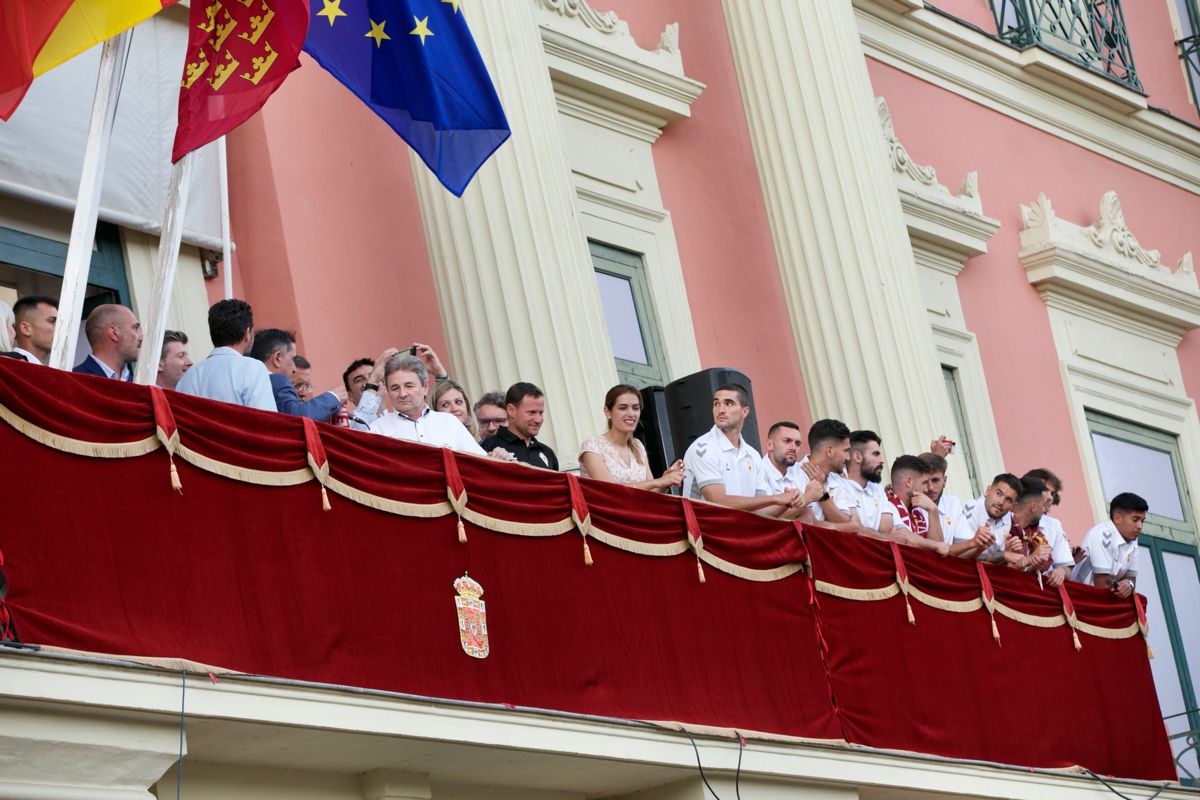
{"x":1104,"y":265}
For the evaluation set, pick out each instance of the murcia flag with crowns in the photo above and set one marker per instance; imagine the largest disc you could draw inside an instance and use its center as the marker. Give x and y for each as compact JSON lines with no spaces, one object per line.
{"x":239,"y":52}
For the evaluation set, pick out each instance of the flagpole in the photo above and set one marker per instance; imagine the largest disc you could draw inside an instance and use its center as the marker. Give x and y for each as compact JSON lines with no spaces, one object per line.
{"x":226,"y":235}
{"x":87,"y":203}
{"x":154,"y":324}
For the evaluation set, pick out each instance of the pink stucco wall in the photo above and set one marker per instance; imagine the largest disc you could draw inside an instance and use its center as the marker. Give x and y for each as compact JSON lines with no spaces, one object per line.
{"x":329,"y":232}
{"x":706,"y":171}
{"x":1015,"y":162}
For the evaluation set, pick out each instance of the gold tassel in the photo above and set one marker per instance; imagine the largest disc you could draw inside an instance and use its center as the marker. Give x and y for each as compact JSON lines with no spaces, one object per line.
{"x":462,"y":532}
{"x":700,"y":571}
{"x":996,"y":632}
{"x":325,"y":500}
{"x":1075,"y":638}
{"x":1149,"y":652}
{"x":912,"y":620}
{"x":175,"y":482}
{"x":587,"y":554}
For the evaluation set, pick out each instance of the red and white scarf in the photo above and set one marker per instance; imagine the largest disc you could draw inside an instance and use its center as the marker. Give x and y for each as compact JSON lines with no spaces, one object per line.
{"x":915,"y":520}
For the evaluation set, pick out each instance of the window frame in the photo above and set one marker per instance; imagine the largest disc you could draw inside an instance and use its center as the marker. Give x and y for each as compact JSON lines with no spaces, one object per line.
{"x":626,"y":264}
{"x":952,"y":376}
{"x":49,"y":257}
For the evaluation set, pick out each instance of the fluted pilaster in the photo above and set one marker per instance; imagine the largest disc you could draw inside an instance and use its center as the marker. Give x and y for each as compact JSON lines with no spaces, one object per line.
{"x":514,"y":277}
{"x":846,"y":264}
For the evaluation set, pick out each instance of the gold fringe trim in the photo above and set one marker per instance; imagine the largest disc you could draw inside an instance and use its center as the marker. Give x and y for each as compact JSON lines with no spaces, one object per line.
{"x":747,"y":573}
{"x":79,"y":447}
{"x":399,"y":507}
{"x":640,"y":548}
{"x":862,"y":595}
{"x":518,"y":528}
{"x":957,"y":606}
{"x":244,"y":474}
{"x":1029,"y":619}
{"x":1108,"y":633}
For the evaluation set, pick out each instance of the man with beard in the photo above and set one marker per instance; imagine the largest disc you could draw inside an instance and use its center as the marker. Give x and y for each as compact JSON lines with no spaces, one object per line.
{"x":828,"y":452}
{"x":721,"y":467}
{"x":1034,"y":555}
{"x":859,"y":493}
{"x":1062,"y":562}
{"x":950,"y":508}
{"x":779,"y":462}
{"x":986,"y":521}
{"x":115,"y":336}
{"x":914,"y":509}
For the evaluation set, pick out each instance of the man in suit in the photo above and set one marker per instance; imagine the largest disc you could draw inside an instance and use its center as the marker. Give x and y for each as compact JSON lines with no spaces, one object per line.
{"x":115,"y":336}
{"x":277,"y":350}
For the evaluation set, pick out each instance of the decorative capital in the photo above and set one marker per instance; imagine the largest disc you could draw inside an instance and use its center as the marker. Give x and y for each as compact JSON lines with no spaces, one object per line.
{"x":902,"y":162}
{"x":1111,"y":231}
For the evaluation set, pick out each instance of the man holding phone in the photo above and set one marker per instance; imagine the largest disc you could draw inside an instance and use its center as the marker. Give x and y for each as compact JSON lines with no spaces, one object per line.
{"x":370,"y":403}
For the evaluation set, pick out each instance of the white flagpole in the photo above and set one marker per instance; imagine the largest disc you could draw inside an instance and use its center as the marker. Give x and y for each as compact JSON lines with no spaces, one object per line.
{"x":226,"y":235}
{"x":154,"y":327}
{"x":87,"y":204}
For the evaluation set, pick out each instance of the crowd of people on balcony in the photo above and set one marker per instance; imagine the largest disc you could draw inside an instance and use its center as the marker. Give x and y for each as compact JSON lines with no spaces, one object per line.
{"x":839,"y":483}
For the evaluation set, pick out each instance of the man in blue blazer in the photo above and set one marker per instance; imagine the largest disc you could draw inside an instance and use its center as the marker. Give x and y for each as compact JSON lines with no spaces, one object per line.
{"x":277,"y":350}
{"x":115,"y":336}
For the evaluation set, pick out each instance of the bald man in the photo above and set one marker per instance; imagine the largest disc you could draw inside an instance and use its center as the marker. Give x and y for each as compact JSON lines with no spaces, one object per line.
{"x":115,"y":336}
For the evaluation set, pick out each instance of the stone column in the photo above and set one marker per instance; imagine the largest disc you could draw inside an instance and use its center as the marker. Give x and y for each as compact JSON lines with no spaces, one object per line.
{"x":845,"y":260}
{"x":510,"y":260}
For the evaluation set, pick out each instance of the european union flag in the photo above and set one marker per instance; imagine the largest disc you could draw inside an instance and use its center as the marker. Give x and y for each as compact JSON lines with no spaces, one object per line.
{"x":415,"y":64}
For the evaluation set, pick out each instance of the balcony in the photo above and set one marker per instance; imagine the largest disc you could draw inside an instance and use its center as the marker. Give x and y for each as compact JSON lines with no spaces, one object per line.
{"x":1089,"y":32}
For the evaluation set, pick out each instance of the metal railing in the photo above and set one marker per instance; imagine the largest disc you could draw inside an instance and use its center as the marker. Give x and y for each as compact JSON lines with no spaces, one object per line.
{"x":1189,"y":51}
{"x":1089,"y":32}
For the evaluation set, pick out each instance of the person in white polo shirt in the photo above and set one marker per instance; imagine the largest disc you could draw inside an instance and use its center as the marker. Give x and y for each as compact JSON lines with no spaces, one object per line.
{"x":828,"y":452}
{"x":983,"y":528}
{"x":779,"y":462}
{"x":1061,"y":561}
{"x":405,"y":378}
{"x":1111,"y":547}
{"x":721,"y":467}
{"x":859,"y":493}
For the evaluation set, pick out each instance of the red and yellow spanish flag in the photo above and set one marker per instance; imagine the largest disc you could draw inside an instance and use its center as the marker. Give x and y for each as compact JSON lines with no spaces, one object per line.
{"x":38,"y":35}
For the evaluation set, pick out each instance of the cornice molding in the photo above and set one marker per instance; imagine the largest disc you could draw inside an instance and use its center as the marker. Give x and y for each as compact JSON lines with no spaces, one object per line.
{"x":952,"y":226}
{"x":596,"y":66}
{"x":1032,"y":86}
{"x":1103,"y":267}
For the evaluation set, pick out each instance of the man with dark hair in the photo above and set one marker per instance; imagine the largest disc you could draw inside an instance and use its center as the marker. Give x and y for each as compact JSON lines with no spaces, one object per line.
{"x":986,"y":521}
{"x":355,"y":378}
{"x":779,"y":461}
{"x":173,"y":360}
{"x":228,"y":374}
{"x":1034,"y":554}
{"x":525,"y":410}
{"x":277,"y":350}
{"x":490,"y":415}
{"x":722,"y":467}
{"x":950,"y":508}
{"x":115,"y":336}
{"x":859,"y":493}
{"x":302,"y":377}
{"x":1111,"y":547}
{"x":1061,"y":560}
{"x":34,"y":318}
{"x":828,"y":453}
{"x":914,"y":509}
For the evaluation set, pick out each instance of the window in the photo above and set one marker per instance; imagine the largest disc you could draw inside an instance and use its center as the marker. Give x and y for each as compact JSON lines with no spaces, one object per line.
{"x":1188,"y":18}
{"x":1134,"y":458}
{"x":1089,"y":32}
{"x":962,"y":433}
{"x":629,"y":314}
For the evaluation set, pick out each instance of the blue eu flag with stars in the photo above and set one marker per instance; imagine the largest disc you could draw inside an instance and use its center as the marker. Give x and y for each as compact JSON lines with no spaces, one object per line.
{"x":415,"y":64}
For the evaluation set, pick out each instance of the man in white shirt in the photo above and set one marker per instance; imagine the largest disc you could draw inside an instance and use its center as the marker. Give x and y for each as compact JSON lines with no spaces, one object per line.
{"x":115,"y":336}
{"x":914,"y":510}
{"x":721,"y":467}
{"x":34,"y":320}
{"x":779,"y":461}
{"x":405,"y":379}
{"x":1061,"y":561}
{"x":828,"y":453}
{"x":1111,"y":547}
{"x":950,"y":508}
{"x":983,"y":529}
{"x":228,"y":374}
{"x":859,"y":493}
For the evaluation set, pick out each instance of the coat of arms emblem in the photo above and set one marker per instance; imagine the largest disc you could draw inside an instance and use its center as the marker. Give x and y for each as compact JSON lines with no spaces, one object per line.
{"x":472,"y":617}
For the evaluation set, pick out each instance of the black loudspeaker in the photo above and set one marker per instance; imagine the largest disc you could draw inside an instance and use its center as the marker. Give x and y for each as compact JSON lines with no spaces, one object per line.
{"x":689,"y":406}
{"x":654,"y":429}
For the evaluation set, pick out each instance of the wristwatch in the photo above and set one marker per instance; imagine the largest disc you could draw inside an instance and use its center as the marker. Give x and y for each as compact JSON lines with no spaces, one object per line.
{"x":374,"y":387}
{"x":823,"y":498}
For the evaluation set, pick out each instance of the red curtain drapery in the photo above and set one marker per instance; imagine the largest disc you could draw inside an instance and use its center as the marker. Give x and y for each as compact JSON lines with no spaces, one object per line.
{"x":244,"y":569}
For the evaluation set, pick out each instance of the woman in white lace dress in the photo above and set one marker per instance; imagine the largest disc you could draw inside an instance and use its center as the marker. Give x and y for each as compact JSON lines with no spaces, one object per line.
{"x":618,"y":456}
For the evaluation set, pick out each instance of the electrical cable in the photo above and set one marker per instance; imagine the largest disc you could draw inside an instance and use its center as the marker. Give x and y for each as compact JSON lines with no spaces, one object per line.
{"x":699,"y":765}
{"x":1112,"y":789}
{"x":179,"y":763}
{"x":737,"y":776}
